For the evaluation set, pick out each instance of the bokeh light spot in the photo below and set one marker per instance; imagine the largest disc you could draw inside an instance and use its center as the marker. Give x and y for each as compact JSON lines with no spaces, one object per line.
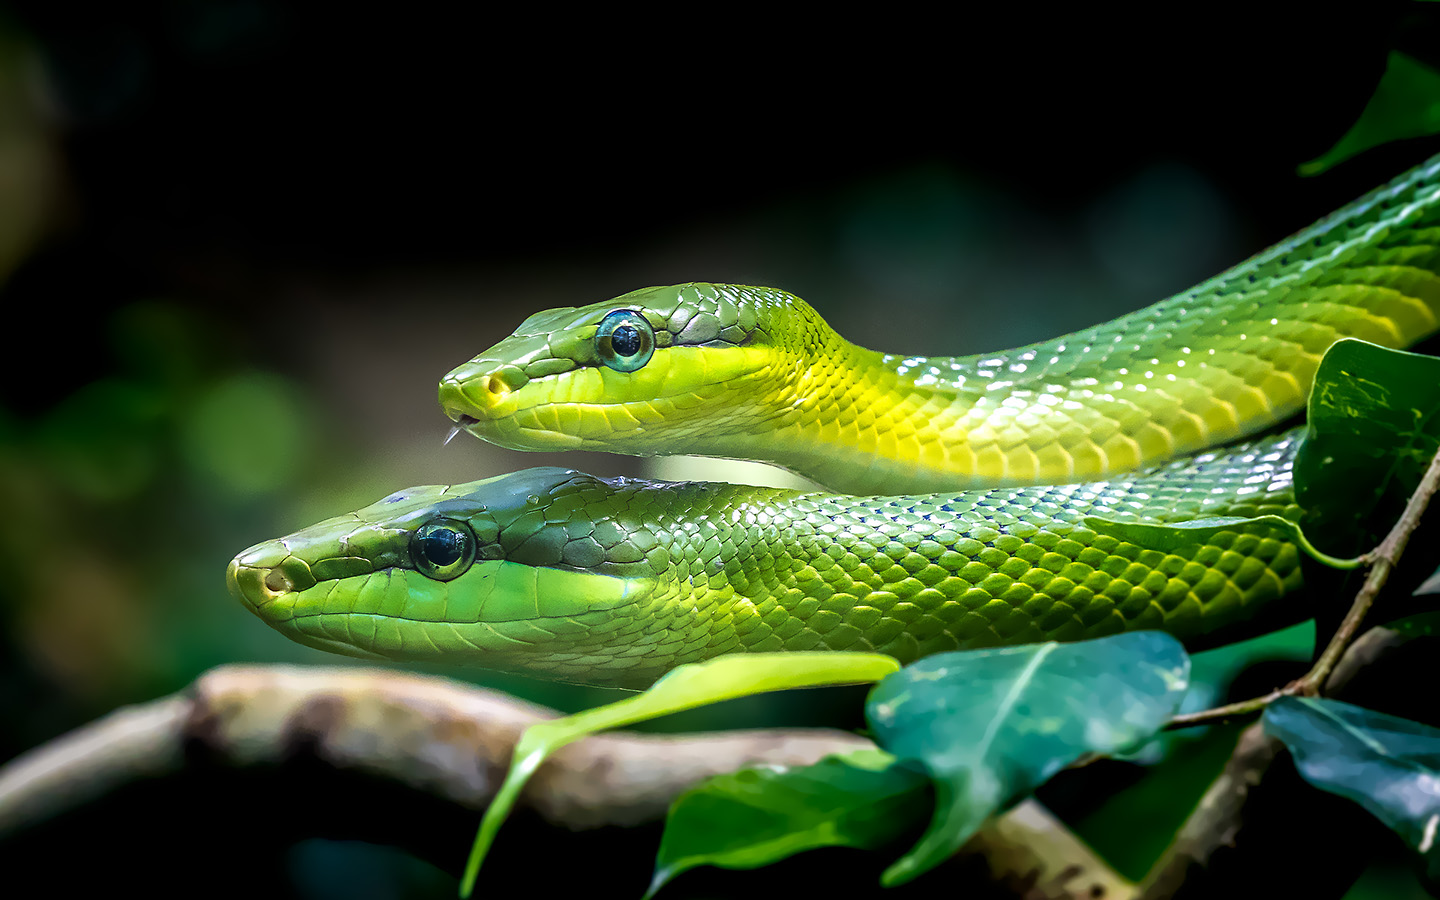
{"x":247,"y":434}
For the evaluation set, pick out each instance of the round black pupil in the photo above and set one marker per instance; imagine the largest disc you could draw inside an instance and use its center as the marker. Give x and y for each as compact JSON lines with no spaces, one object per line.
{"x":625,"y":340}
{"x":443,"y":546}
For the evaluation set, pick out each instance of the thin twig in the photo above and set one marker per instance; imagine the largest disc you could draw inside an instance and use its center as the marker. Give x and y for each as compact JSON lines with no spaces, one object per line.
{"x":1382,"y":562}
{"x":1224,"y":713}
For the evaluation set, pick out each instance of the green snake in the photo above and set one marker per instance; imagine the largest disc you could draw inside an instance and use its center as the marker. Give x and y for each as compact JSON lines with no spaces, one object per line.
{"x":616,"y":581}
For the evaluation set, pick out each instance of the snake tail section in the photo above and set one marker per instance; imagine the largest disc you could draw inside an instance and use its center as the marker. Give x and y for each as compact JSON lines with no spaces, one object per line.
{"x":756,"y":373}
{"x":616,"y":581}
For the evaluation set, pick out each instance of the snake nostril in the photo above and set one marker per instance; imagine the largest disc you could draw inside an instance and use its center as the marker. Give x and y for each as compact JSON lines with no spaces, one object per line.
{"x":278,"y":582}
{"x":495,"y":385}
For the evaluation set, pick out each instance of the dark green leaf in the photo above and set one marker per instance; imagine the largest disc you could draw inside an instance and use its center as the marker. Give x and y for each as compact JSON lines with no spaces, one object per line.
{"x":1374,"y":424}
{"x":686,"y":687}
{"x":990,"y":726}
{"x":1388,"y":765}
{"x":758,"y":816}
{"x":1406,"y":104}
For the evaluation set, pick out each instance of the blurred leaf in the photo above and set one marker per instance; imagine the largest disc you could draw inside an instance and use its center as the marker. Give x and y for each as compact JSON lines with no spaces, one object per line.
{"x":1419,"y":625}
{"x":1374,"y":424}
{"x":1170,"y":537}
{"x":990,"y":726}
{"x":758,"y":816}
{"x":247,"y":433}
{"x":162,"y":344}
{"x":1389,"y":765}
{"x":103,"y":442}
{"x":1406,"y":104}
{"x":686,"y":687}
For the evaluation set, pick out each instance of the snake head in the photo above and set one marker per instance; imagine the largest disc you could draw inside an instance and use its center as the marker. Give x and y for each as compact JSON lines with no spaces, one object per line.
{"x":650,"y":372}
{"x":513,"y":573}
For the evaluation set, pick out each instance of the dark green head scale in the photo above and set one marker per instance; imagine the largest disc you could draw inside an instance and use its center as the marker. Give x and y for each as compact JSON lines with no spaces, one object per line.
{"x":501,"y":573}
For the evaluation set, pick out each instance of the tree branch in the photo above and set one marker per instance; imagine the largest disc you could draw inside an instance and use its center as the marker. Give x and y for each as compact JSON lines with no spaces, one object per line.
{"x":425,"y":737}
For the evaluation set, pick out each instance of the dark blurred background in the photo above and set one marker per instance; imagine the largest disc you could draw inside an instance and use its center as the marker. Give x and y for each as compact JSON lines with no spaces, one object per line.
{"x":241,"y":240}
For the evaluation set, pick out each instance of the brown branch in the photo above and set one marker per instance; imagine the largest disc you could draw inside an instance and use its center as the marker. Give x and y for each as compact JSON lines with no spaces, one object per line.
{"x":405,"y":736}
{"x":1216,"y":818}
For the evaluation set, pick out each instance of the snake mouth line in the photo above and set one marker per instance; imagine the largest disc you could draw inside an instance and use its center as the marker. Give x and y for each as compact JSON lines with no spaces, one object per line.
{"x":491,"y":424}
{"x":317,"y":614}
{"x":667,"y":391}
{"x":462,"y":423}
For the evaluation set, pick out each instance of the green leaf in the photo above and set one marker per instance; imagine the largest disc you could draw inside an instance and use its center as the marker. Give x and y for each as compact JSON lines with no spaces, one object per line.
{"x":1406,"y":104}
{"x":1389,"y":765}
{"x":758,"y":816}
{"x":1172,"y":536}
{"x":989,"y":726}
{"x":1374,"y":424}
{"x":1426,"y":624}
{"x":686,"y":687}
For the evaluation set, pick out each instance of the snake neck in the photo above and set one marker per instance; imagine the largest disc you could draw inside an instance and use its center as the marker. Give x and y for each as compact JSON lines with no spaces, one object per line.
{"x":858,"y":420}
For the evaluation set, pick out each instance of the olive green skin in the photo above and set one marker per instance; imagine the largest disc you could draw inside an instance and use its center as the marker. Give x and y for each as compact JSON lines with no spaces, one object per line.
{"x":708,"y":569}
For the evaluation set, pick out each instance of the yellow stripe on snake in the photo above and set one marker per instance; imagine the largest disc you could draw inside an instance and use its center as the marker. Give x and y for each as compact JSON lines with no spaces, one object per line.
{"x":571,"y":577}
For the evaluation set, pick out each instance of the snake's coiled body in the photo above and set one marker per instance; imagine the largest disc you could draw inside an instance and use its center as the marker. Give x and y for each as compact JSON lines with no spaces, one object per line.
{"x":563,"y":575}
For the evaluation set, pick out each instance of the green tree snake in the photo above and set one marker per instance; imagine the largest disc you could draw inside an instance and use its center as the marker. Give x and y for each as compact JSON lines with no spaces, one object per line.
{"x":977,"y":536}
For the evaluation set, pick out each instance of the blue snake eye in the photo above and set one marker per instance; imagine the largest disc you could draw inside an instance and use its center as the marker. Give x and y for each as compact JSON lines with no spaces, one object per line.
{"x":624,"y":341}
{"x":443,"y":549}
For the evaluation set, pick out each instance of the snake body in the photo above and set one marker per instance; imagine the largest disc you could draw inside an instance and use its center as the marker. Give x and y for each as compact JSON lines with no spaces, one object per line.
{"x":756,"y":373}
{"x":616,"y":581}
{"x":576,"y":578}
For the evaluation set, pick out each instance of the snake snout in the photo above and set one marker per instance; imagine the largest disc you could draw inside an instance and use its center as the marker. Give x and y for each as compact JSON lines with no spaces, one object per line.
{"x":264,"y":574}
{"x":481,"y":389}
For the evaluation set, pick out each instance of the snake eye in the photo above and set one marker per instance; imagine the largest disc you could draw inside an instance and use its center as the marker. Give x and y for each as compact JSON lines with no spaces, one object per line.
{"x":624,"y":341}
{"x":443,"y":549}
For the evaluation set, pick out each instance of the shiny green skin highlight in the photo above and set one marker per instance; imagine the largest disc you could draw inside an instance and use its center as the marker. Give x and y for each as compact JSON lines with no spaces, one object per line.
{"x":756,"y":373}
{"x":615,"y":582}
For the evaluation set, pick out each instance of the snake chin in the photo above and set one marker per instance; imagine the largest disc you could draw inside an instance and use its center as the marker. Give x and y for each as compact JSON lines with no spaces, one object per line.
{"x":330,"y":645}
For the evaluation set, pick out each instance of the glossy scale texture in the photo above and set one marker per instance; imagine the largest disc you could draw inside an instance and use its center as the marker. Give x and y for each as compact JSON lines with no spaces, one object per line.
{"x":755,"y":373}
{"x":615,"y":582}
